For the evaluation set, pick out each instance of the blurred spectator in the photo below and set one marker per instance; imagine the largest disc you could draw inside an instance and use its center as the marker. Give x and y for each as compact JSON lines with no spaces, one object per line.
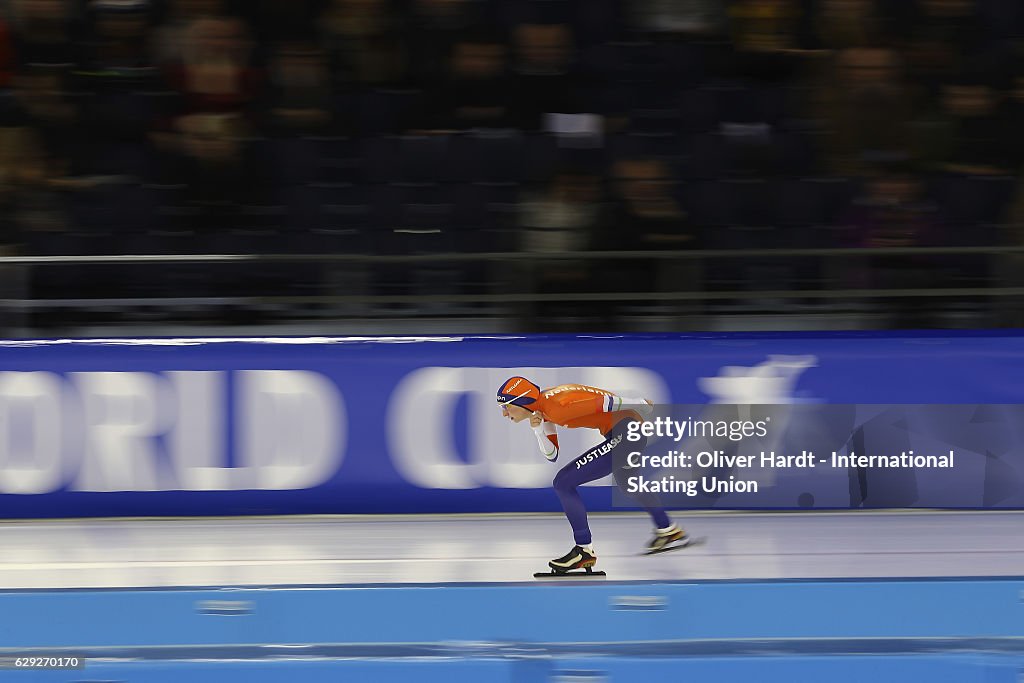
{"x":170,"y":39}
{"x":215,"y":74}
{"x":845,"y":24}
{"x":364,"y":43}
{"x":547,"y":81}
{"x":647,"y":215}
{"x":562,"y":218}
{"x":476,"y":93}
{"x":41,"y":106}
{"x":769,"y":39}
{"x":866,"y":110}
{"x":117,"y":70}
{"x":212,"y":162}
{"x":44,"y":32}
{"x":973,"y":132}
{"x":955,"y":25}
{"x":120,"y":36}
{"x":935,"y":48}
{"x":37,"y":182}
{"x":432,"y":28}
{"x":299,"y":92}
{"x":764,"y":26}
{"x":863,"y":23}
{"x":893,"y":213}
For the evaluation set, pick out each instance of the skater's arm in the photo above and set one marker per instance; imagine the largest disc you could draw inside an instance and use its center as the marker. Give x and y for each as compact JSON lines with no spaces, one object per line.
{"x":632,"y":402}
{"x":547,"y":437}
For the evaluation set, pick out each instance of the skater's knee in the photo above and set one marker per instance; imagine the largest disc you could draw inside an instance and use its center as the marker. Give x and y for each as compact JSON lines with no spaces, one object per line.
{"x":564,"y":481}
{"x":621,"y":478}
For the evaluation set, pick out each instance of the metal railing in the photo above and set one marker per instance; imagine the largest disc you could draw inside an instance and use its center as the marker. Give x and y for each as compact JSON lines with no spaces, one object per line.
{"x":513,"y":277}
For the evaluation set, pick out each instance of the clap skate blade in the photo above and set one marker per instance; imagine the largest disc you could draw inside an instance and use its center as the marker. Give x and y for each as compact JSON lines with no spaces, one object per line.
{"x":586,"y":572}
{"x":690,"y":543}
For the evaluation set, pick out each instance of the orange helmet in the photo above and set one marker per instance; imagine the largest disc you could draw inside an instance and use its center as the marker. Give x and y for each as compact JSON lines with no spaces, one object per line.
{"x":518,"y":391}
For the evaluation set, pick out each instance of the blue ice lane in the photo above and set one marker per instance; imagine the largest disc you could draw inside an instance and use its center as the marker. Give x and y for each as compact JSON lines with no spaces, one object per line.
{"x":515,"y":613}
{"x":877,"y":669}
{"x":449,"y":671}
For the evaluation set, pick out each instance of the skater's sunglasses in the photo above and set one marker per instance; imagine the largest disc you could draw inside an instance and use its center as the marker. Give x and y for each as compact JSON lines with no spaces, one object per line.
{"x":504,"y":403}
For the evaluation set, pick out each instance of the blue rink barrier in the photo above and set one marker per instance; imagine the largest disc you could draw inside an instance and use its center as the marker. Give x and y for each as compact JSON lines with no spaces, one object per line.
{"x":887,"y":630}
{"x":155,"y":427}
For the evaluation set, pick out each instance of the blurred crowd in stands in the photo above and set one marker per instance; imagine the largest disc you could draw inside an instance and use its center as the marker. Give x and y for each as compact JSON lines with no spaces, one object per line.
{"x":545,"y":126}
